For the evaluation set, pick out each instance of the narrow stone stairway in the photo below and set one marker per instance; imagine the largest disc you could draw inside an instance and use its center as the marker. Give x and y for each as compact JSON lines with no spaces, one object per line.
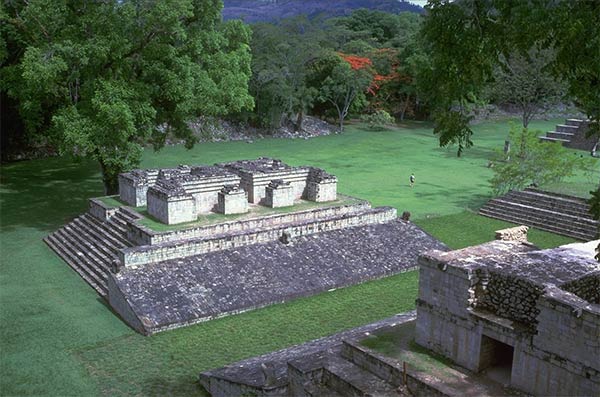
{"x":90,"y":246}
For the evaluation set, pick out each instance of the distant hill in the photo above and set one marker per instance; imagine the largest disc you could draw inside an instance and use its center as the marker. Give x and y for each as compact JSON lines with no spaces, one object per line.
{"x":272,"y":10}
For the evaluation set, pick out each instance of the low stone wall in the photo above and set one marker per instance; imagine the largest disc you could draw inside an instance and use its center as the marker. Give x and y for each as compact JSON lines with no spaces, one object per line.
{"x":138,"y":256}
{"x":587,"y":287}
{"x":141,"y":235}
{"x":509,"y":297}
{"x":101,"y":211}
{"x":391,"y":371}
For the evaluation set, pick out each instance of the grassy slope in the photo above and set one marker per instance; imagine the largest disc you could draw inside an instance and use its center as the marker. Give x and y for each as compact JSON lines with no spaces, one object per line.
{"x":58,"y":338}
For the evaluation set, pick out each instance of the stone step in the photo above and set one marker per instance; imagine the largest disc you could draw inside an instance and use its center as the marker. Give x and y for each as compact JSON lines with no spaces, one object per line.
{"x":106,"y":229}
{"x":543,"y":225}
{"x":87,"y":260}
{"x":519,"y":221}
{"x":556,"y":195}
{"x":566,"y":128}
{"x":574,"y":122}
{"x":107,"y":247}
{"x":346,"y":378}
{"x":547,"y":215}
{"x":73,"y":261}
{"x":560,"y":135}
{"x":89,"y":246}
{"x":548,"y":139}
{"x":530,"y":218}
{"x":563,"y":206}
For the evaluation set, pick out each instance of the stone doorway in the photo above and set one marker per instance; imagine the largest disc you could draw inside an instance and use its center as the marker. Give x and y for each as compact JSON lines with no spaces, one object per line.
{"x":496,"y":359}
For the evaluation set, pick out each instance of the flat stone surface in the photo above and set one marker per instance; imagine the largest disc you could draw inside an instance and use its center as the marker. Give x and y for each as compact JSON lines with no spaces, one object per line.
{"x":554,"y":266}
{"x":179,"y":292}
{"x":307,"y":355}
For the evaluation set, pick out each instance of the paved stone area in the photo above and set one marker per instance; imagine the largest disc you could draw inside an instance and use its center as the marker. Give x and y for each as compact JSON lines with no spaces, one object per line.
{"x":249,"y":371}
{"x":179,"y":292}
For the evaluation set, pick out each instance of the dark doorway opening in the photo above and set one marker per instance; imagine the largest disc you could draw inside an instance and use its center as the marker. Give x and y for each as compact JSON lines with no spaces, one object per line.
{"x":496,"y":359}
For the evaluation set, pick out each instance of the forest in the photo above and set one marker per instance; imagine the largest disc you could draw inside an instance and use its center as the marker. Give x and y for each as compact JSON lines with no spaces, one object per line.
{"x":103,"y":80}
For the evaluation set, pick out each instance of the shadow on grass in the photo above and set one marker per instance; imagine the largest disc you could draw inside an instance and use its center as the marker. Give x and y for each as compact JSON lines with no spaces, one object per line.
{"x":44,"y":194}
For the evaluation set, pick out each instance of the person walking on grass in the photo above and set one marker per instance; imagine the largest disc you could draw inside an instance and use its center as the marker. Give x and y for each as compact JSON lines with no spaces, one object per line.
{"x":412,"y":179}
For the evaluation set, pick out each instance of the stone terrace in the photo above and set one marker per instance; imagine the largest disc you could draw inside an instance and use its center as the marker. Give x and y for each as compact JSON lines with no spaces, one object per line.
{"x":178,"y":292}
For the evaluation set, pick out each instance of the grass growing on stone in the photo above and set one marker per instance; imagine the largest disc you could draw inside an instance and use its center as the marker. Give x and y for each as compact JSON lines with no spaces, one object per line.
{"x":57,"y":337}
{"x":255,"y":211}
{"x":111,"y":201}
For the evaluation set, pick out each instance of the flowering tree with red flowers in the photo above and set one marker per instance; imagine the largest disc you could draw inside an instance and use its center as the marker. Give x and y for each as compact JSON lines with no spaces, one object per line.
{"x":349,"y":78}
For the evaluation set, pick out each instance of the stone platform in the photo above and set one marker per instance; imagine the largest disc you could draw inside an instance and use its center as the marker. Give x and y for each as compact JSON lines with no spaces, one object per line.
{"x":179,"y":292}
{"x":158,"y":275}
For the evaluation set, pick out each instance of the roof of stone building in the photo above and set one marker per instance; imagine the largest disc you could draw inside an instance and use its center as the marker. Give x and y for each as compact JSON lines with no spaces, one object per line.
{"x":554,"y":266}
{"x":260,"y":165}
{"x":178,"y":292}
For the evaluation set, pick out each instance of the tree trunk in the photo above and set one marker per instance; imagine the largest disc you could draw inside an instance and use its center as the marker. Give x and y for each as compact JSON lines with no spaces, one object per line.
{"x":298,"y":125}
{"x":404,"y":108}
{"x":110,"y":180}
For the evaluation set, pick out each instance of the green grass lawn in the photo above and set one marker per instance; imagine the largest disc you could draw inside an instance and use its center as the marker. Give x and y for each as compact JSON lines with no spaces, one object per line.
{"x":57,"y":337}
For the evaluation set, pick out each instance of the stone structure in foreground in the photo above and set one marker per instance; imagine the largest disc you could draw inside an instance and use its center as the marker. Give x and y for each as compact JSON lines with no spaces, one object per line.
{"x":158,"y":279}
{"x":514,"y":320}
{"x":506,"y":304}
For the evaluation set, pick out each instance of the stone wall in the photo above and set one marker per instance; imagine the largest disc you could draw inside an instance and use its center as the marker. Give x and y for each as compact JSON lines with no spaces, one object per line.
{"x":141,"y":235}
{"x":587,"y":287}
{"x":138,"y":256}
{"x":100,"y":210}
{"x":580,"y":140}
{"x":509,"y":297}
{"x":171,"y":210}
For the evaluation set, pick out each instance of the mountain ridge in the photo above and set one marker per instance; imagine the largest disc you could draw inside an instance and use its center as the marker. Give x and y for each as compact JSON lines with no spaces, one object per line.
{"x":252,"y":11}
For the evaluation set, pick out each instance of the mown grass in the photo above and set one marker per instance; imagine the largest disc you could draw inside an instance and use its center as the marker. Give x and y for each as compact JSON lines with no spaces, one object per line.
{"x":57,"y":337}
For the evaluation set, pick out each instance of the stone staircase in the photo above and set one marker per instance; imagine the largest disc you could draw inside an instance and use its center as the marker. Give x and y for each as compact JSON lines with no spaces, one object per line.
{"x":572,"y":134}
{"x":90,"y":245}
{"x":556,"y":213}
{"x":343,"y":377}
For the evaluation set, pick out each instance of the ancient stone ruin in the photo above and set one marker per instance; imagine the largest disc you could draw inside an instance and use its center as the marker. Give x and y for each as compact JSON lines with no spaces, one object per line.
{"x":512,"y":319}
{"x":188,"y":244}
{"x":181,"y":194}
{"x":508,"y":307}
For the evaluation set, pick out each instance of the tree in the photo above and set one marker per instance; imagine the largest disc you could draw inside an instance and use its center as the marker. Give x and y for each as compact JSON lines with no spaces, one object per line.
{"x":523,"y":80}
{"x":466,"y":39}
{"x":350,"y":77}
{"x":282,"y":58}
{"x":101,"y":78}
{"x":533,"y":162}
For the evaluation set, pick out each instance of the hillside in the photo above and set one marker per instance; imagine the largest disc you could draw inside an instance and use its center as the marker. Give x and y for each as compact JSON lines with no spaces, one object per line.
{"x":271,"y":10}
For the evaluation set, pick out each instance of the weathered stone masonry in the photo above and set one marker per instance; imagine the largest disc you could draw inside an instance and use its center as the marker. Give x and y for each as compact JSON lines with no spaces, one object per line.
{"x":507,"y":293}
{"x":162,"y":280}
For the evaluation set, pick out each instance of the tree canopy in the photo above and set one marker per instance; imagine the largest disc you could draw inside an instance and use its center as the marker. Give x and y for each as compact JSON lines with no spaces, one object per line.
{"x":101,"y":79}
{"x":466,"y":39}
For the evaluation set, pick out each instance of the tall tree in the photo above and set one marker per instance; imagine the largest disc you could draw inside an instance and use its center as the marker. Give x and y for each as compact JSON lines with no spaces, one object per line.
{"x":101,"y":77}
{"x":348,"y":79}
{"x":523,"y":80}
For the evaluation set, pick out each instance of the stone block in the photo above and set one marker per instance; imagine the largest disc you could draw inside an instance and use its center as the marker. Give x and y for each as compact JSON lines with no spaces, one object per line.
{"x":232,"y":200}
{"x":279,"y":193}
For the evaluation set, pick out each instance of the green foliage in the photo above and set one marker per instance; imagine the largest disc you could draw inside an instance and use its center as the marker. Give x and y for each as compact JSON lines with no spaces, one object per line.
{"x":467,"y":39}
{"x":533,"y":161}
{"x":524,"y":81}
{"x":343,"y":86}
{"x":102,"y":78}
{"x":378,"y":121}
